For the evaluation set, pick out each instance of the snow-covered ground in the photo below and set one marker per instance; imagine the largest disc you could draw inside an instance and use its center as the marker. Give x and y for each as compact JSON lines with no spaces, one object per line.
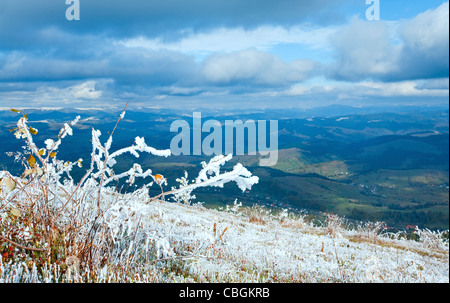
{"x":241,"y":244}
{"x":251,"y":246}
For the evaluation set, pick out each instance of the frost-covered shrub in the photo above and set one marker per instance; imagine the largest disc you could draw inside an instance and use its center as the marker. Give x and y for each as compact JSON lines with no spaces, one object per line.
{"x":290,"y":219}
{"x":235,"y":208}
{"x":432,"y":239}
{"x":335,"y":225}
{"x":258,"y":214}
{"x":370,"y":230}
{"x":46,"y":217}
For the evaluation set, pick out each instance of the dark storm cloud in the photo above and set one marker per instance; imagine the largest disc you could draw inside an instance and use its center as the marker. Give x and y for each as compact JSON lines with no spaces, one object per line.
{"x":19,"y":19}
{"x":126,"y":66}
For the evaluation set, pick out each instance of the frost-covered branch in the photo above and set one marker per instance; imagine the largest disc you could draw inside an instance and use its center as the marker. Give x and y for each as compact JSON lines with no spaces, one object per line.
{"x":210,"y":175}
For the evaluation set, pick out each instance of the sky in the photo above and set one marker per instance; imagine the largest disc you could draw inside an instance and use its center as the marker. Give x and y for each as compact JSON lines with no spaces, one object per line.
{"x":223,"y":54}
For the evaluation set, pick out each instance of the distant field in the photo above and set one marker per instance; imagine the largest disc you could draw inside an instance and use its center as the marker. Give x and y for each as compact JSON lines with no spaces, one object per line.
{"x":405,"y":178}
{"x":296,"y":162}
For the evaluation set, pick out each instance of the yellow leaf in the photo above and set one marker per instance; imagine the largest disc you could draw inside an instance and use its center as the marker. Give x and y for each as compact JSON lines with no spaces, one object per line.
{"x":39,"y":171}
{"x":42,"y":151}
{"x":15,"y":110}
{"x":33,"y":131}
{"x":13,"y":129}
{"x":31,"y":161}
{"x":53,"y":154}
{"x":15,"y":212}
{"x":27,"y":172}
{"x":10,"y":184}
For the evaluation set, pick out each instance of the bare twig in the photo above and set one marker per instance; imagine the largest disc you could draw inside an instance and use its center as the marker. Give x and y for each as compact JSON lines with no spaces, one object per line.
{"x":179,"y":257}
{"x":21,"y":246}
{"x":106,"y":160}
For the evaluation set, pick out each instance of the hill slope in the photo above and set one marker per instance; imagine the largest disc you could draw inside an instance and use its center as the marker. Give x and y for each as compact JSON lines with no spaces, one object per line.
{"x":251,"y":245}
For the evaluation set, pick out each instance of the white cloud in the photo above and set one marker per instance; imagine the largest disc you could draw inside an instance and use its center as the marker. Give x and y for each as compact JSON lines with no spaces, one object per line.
{"x":85,"y":90}
{"x":398,"y":89}
{"x":52,"y":95}
{"x":393,"y":51}
{"x":426,"y":44}
{"x":237,"y":39}
{"x":253,"y":66}
{"x":348,"y":90}
{"x":177,"y":90}
{"x":364,"y":49}
{"x":428,"y":31}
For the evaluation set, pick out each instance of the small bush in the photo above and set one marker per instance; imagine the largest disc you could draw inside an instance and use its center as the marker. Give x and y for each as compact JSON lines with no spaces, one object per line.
{"x":432,"y":239}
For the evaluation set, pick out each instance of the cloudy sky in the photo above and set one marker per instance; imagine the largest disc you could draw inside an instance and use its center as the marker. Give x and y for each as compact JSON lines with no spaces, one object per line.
{"x":223,"y":53}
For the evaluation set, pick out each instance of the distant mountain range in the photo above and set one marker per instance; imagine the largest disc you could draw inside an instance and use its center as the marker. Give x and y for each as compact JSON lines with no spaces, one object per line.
{"x":280,"y":113}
